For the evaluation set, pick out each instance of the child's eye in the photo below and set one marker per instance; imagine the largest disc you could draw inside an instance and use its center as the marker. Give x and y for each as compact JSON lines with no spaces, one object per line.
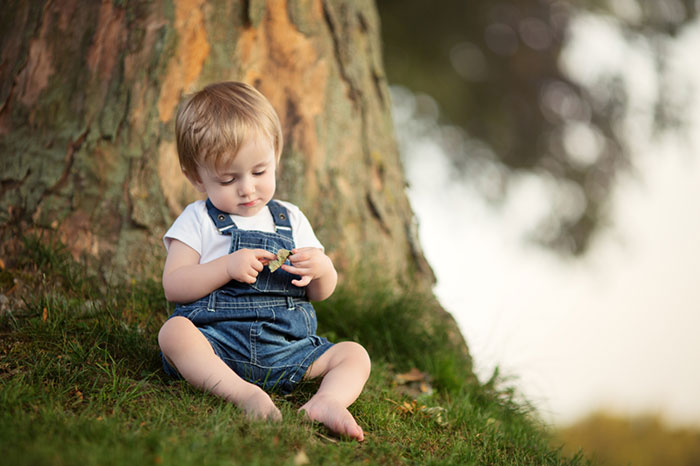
{"x":259,"y":173}
{"x":228,"y":182}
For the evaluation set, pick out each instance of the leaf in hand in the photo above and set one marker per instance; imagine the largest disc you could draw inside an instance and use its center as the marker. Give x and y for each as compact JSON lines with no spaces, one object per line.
{"x":282,"y":255}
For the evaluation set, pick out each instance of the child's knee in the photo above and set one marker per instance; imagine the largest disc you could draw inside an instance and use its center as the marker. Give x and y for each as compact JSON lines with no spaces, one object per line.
{"x":358,"y":354}
{"x":171,"y":333}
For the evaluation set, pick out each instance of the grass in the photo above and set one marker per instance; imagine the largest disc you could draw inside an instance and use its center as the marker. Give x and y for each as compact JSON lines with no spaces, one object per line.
{"x":642,"y":440}
{"x":80,"y":383}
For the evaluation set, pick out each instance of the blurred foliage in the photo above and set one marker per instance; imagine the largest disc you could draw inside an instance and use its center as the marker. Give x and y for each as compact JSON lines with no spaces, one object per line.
{"x":641,"y":441}
{"x":493,"y":68}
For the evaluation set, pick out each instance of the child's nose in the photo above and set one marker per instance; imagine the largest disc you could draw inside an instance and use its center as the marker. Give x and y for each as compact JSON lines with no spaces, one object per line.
{"x":246,"y":186}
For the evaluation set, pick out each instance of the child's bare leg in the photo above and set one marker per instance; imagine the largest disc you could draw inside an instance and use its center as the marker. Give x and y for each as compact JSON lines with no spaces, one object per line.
{"x":189,"y":351}
{"x":345,"y":368}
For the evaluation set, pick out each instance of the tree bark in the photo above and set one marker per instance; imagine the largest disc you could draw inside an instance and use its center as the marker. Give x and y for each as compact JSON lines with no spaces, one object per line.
{"x":88,"y":94}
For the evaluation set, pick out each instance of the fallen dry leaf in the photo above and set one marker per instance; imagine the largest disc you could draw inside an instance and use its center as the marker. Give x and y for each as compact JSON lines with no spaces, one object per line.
{"x":300,"y":458}
{"x":414,"y":375}
{"x":436,"y":413}
{"x":414,"y":383}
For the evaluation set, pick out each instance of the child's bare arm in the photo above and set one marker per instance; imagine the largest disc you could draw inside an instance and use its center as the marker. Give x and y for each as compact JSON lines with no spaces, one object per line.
{"x":186,"y":280}
{"x":316,"y":271}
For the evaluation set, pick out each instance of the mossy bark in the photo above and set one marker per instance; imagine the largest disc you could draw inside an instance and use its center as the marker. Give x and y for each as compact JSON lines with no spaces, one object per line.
{"x":88,"y":93}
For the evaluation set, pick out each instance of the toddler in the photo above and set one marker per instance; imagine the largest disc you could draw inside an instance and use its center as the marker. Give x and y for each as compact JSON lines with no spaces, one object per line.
{"x":240,"y":330}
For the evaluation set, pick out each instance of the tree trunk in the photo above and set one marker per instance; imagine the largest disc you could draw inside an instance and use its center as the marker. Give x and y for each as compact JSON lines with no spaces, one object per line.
{"x":88,"y":96}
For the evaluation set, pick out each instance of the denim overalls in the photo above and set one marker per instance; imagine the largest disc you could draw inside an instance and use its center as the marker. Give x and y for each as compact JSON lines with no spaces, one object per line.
{"x":265,"y":332}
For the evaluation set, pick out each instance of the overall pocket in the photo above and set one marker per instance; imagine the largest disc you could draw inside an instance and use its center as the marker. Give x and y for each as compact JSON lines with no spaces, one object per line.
{"x":277,"y":282}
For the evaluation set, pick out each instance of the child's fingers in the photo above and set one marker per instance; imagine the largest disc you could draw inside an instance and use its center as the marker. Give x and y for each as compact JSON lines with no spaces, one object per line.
{"x":303,"y":273}
{"x":304,"y":264}
{"x":301,"y":254}
{"x":250,"y":278}
{"x":294,"y":270}
{"x":296,"y":258}
{"x":301,"y":258}
{"x":257,"y":266}
{"x":305,"y":280}
{"x":262,"y":254}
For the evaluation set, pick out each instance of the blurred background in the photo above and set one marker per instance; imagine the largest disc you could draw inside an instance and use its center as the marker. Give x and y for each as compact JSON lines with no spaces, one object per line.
{"x":551,"y":150}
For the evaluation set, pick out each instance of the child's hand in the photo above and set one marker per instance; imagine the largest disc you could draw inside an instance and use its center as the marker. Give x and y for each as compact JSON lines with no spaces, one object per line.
{"x":309,"y":263}
{"x":244,"y":265}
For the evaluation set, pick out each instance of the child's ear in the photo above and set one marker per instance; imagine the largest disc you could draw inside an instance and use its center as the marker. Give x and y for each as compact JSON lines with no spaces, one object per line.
{"x":196,"y":182}
{"x":199,"y":186}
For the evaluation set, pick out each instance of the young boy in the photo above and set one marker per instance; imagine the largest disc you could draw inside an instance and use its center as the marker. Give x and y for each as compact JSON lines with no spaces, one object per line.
{"x":239,"y":328}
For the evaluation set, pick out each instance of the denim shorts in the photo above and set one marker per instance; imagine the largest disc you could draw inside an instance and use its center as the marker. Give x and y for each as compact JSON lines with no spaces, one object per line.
{"x":267,"y":340}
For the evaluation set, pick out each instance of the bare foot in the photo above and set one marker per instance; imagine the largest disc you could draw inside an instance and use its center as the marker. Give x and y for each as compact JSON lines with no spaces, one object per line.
{"x":259,"y":405}
{"x":333,"y":415}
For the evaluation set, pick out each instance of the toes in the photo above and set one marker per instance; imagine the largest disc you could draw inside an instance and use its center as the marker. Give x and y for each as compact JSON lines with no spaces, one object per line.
{"x":353,"y":430}
{"x":346,"y":426}
{"x":260,"y":407}
{"x":336,"y":418}
{"x":275,"y":415}
{"x":360,"y":437}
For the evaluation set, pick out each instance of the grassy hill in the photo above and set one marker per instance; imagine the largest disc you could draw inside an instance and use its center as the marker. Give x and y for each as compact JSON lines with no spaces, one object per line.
{"x":80,"y":384}
{"x":643,"y":440}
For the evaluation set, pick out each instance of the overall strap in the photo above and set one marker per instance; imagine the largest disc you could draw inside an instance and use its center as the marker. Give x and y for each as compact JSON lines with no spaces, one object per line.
{"x":281,"y":219}
{"x":224,"y":224}
{"x":221,"y":220}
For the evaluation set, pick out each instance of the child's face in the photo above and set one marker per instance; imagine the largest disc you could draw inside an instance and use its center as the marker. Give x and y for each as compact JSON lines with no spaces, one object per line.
{"x":247,"y":184}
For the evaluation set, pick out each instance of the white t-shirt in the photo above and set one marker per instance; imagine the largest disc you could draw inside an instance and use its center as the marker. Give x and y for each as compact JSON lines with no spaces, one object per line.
{"x":196,"y":229}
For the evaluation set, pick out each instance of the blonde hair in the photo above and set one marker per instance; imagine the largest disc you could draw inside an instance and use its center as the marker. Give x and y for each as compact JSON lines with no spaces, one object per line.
{"x":212,"y":124}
